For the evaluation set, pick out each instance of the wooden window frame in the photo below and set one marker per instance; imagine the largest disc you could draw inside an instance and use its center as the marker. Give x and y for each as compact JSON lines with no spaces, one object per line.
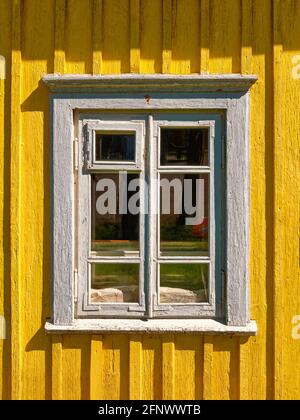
{"x":120,"y":126}
{"x":84,"y":93}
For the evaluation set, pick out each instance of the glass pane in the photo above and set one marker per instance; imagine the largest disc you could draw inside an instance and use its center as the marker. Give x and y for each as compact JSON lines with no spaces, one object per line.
{"x":184,"y":283}
{"x":115,"y":147}
{"x":113,"y":283}
{"x":113,"y":233}
{"x":184,"y":199}
{"x":184,"y":147}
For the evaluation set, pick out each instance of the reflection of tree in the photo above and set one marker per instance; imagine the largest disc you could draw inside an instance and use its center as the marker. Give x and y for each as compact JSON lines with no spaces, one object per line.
{"x":130,"y":222}
{"x":114,"y":226}
{"x":115,"y":147}
{"x":173,"y":227}
{"x":184,"y":146}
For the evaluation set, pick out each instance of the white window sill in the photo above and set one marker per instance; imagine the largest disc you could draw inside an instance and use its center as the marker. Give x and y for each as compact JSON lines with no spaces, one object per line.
{"x":160,"y":326}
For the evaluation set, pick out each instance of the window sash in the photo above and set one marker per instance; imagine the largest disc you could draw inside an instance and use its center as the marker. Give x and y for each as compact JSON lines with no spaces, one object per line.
{"x":213,"y":123}
{"x":84,"y":256}
{"x":91,"y":127}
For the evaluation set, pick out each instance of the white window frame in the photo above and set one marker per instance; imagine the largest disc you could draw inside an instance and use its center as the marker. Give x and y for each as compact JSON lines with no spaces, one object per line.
{"x":226,"y":93}
{"x":92,"y":127}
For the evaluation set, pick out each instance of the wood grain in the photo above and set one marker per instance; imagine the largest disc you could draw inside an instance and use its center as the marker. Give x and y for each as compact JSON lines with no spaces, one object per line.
{"x":248,"y":36}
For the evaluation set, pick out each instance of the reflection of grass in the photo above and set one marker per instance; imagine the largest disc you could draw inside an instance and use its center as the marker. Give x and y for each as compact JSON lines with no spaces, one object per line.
{"x":185,"y":276}
{"x":184,"y":248}
{"x":186,"y":244}
{"x":111,"y":244}
{"x":114,"y":247}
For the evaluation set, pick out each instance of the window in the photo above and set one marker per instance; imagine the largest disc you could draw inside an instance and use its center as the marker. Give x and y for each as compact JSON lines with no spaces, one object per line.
{"x":150,"y":202}
{"x":153,"y":262}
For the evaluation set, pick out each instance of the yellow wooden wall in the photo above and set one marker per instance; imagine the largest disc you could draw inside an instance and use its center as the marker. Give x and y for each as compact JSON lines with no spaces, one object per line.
{"x":148,"y":36}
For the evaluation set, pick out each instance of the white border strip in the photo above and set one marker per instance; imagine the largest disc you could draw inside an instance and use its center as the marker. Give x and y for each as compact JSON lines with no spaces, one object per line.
{"x":149,"y":82}
{"x":160,"y":326}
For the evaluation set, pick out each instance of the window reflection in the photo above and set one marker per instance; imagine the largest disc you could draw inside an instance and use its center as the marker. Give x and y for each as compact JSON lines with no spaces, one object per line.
{"x":115,"y":147}
{"x":180,"y":147}
{"x":115,"y":283}
{"x":176,"y":237}
{"x":113,"y":234}
{"x":183,"y":283}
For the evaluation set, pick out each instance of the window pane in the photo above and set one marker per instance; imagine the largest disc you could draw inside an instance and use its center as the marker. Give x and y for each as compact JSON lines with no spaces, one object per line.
{"x":182,"y":147}
{"x":115,"y":147}
{"x":184,"y":199}
{"x":113,"y":233}
{"x":113,"y":283}
{"x":184,"y":283}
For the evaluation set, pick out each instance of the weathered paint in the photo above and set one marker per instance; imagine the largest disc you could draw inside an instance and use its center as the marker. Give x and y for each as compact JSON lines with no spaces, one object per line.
{"x":114,"y":36}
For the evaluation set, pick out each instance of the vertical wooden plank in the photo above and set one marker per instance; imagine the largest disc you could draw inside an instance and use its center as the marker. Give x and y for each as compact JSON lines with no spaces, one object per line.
{"x":246,"y":68}
{"x":135,"y":62}
{"x":15,"y":206}
{"x":96,"y":367}
{"x":71,"y":368}
{"x":225,"y":43}
{"x":2,"y":148}
{"x":111,"y":369}
{"x":207,"y":367}
{"x":244,"y":377}
{"x":185,"y":43}
{"x":256,"y":365}
{"x":263,"y":262}
{"x":57,"y":390}
{"x":116,"y":37}
{"x":204,"y":36}
{"x":37,"y":56}
{"x":76,"y":358}
{"x":151,"y":36}
{"x":188,"y":367}
{"x":224,"y":381}
{"x":5,"y":146}
{"x":279,"y":154}
{"x":168,"y":354}
{"x":78,"y":36}
{"x":97,"y":36}
{"x":152,"y":368}
{"x":135,"y":368}
{"x":59,"y":52}
{"x":286,"y":19}
{"x":115,"y":372}
{"x":247,"y":25}
{"x":167,"y":36}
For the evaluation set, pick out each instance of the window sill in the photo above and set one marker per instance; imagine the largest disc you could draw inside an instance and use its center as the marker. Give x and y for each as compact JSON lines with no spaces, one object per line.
{"x":158,"y":326}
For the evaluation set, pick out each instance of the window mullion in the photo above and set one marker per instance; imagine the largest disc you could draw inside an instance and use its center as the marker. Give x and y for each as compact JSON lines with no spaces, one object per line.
{"x":150,"y":218}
